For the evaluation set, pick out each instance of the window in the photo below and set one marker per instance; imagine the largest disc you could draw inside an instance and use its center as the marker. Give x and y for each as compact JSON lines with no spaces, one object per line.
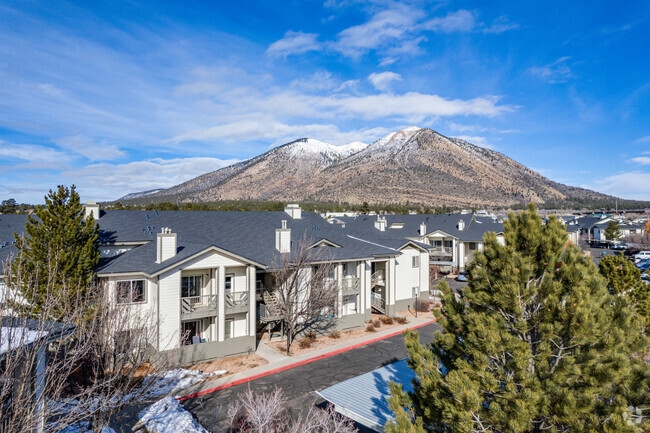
{"x":437,"y":244}
{"x":449,"y":244}
{"x":130,"y":292}
{"x":191,"y":286}
{"x":191,"y":332}
{"x":472,"y":246}
{"x":416,"y":261}
{"x":229,"y":329}
{"x":350,"y":269}
{"x":230,"y":283}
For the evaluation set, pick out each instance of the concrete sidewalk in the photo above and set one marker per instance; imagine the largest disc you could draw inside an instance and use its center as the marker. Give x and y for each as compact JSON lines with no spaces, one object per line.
{"x":284,"y":362}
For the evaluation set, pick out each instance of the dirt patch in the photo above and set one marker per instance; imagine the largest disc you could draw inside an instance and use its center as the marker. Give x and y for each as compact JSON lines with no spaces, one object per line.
{"x":323,"y":341}
{"x":232,"y":364}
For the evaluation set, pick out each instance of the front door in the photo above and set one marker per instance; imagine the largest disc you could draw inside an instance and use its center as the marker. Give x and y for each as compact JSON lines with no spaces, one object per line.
{"x":191,"y":332}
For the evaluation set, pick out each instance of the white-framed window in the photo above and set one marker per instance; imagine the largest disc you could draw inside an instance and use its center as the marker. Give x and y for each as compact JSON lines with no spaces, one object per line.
{"x":191,"y":332}
{"x":416,"y":261}
{"x":437,"y":244}
{"x":229,"y":328}
{"x":131,"y":292}
{"x":449,"y":244}
{"x":191,"y":286}
{"x":473,"y":246}
{"x":350,"y":269}
{"x":229,"y":283}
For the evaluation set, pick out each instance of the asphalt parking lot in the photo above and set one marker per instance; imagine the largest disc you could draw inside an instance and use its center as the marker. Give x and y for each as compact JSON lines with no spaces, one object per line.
{"x":299,"y":383}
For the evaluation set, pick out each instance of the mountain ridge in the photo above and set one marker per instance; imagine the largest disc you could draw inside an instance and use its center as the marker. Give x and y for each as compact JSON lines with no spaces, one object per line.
{"x":413,"y":165}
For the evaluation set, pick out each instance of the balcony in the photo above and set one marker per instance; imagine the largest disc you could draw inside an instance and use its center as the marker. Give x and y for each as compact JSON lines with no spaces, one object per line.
{"x":198,"y":307}
{"x":350,"y":285}
{"x":236,"y":302}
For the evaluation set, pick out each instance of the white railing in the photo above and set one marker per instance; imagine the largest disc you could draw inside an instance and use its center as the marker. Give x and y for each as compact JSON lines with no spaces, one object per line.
{"x":192,"y":304}
{"x":350,"y":284}
{"x":441,"y":251}
{"x":378,"y":278}
{"x":236,"y":300}
{"x":377,"y":301}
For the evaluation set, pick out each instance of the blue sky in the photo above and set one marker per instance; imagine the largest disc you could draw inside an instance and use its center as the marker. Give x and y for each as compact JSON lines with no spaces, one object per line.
{"x":128,"y":96}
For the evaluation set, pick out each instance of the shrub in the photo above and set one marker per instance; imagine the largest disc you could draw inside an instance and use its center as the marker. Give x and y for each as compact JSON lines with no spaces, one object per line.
{"x":304,"y":343}
{"x":377,"y":323}
{"x":335,"y":334}
{"x":424,"y":307}
{"x":386,"y":320}
{"x":370,"y":328}
{"x":401,"y":320}
{"x":312,"y":335}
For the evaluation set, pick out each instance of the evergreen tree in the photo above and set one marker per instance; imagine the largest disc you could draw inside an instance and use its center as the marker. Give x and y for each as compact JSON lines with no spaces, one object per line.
{"x":621,"y":274}
{"x":613,"y":232}
{"x":534,"y":343}
{"x":58,"y":254}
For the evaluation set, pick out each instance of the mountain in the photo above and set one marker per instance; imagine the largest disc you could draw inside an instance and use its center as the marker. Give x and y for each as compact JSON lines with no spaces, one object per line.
{"x":416,"y":165}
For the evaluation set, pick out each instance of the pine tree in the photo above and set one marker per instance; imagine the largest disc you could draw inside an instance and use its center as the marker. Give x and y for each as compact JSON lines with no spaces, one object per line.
{"x":613,"y":232}
{"x":534,"y":343}
{"x":58,"y":254}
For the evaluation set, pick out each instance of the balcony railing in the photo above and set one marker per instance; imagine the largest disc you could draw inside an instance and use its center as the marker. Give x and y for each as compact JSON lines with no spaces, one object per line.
{"x":236,"y":302}
{"x":378,"y":278}
{"x":196,"y":306}
{"x":440,"y":251}
{"x":377,"y":302}
{"x":350,"y":284}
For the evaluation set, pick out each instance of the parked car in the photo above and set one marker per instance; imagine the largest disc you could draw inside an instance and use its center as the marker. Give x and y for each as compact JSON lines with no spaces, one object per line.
{"x":641,"y":255}
{"x":642,"y":263}
{"x":462,"y":276}
{"x":619,"y":247}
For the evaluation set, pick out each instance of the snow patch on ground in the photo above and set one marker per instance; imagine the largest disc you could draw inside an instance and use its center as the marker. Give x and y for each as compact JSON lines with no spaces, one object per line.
{"x":169,"y":416}
{"x":176,"y":380}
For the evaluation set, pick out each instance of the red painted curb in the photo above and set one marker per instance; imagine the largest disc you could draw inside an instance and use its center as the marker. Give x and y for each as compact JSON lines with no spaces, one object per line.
{"x":296,"y":364}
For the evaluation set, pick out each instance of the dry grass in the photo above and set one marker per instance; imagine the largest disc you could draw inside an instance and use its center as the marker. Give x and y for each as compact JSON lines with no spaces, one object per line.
{"x":232,"y":364}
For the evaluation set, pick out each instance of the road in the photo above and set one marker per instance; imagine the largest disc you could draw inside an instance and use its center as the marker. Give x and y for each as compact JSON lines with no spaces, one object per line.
{"x":299,"y":383}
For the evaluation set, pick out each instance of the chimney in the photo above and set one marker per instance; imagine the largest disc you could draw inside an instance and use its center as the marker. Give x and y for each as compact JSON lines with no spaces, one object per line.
{"x":294,"y":211}
{"x":423,"y":229}
{"x":165,"y":245}
{"x":380,"y":224}
{"x":283,"y":238}
{"x":91,"y":208}
{"x":461,"y":225}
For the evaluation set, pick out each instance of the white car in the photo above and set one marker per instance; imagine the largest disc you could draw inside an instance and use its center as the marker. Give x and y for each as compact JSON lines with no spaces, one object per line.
{"x":641,"y":255}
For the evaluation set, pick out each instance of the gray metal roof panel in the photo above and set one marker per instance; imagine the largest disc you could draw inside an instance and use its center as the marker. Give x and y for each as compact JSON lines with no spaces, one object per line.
{"x":364,"y":397}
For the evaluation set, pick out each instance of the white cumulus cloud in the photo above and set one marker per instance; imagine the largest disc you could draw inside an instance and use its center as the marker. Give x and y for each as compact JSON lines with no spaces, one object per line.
{"x":381,"y":80}
{"x":293,"y":43}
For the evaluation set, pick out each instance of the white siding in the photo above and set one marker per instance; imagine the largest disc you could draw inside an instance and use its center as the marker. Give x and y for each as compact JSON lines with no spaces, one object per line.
{"x":170,"y":312}
{"x":241,"y":327}
{"x":406,"y":275}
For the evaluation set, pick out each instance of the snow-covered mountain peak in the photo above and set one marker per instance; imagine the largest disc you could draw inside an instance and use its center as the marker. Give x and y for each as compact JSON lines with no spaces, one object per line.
{"x":396,"y":139}
{"x":310,"y":147}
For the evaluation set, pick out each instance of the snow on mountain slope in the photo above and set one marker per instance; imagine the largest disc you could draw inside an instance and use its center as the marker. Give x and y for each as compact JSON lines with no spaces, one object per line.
{"x":310,"y":146}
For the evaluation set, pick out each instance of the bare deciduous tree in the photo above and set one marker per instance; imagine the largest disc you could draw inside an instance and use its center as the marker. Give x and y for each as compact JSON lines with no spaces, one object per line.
{"x":305,"y":294}
{"x":254,"y":412}
{"x":86,"y":376}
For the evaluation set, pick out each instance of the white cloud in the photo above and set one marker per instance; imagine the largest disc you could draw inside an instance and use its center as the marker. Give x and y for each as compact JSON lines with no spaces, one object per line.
{"x":383,"y":28}
{"x":643,"y":160}
{"x":85,"y":146}
{"x":555,"y":72}
{"x":631,"y":185}
{"x":294,"y":43}
{"x":381,"y":81}
{"x":459,"y":21}
{"x":321,"y":80}
{"x":106,"y":181}
{"x":500,"y":25}
{"x":645,"y":139}
{"x":479,"y":141}
{"x":32,"y":155}
{"x":466,"y":128}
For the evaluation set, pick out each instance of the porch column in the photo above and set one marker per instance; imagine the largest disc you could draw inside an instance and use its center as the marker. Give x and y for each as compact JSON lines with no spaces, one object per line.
{"x":454,"y":252}
{"x":221,"y":304}
{"x":339,"y":296}
{"x":252,"y":301}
